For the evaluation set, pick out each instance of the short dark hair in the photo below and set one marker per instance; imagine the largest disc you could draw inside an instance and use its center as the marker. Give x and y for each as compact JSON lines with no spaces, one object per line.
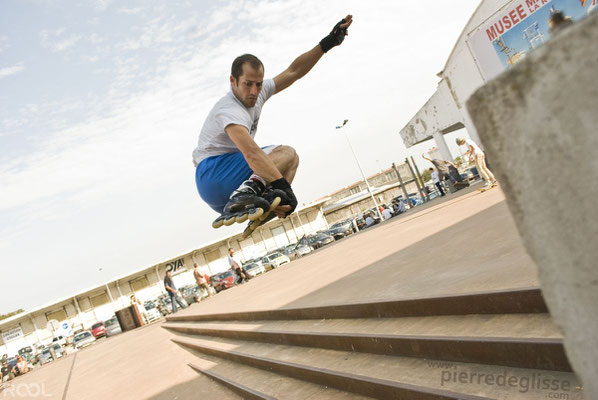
{"x":557,"y":17}
{"x":237,"y":68}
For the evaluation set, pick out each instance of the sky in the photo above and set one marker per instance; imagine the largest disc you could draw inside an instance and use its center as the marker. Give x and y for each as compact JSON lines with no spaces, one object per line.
{"x":101,"y":104}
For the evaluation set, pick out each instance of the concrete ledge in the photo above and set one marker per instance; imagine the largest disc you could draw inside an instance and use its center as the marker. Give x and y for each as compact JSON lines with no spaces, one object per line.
{"x":242,"y":390}
{"x":532,"y":353}
{"x":538,"y":123}
{"x":491,"y":302}
{"x":364,"y":385}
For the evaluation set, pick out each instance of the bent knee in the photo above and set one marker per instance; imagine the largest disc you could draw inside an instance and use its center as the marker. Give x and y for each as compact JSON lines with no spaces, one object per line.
{"x":287,"y":153}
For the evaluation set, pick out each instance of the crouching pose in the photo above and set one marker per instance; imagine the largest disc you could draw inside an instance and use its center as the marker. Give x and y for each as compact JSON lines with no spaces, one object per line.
{"x":236,"y":177}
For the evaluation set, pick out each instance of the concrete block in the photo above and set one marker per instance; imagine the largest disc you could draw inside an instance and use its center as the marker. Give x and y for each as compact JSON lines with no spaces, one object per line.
{"x":539,"y":125}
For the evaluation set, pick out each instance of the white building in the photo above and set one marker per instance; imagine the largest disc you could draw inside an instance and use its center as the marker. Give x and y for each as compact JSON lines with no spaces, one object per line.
{"x":489,"y":43}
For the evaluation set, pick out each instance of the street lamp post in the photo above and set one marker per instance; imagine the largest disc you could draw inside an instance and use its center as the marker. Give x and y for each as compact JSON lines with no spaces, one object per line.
{"x":361,"y":170}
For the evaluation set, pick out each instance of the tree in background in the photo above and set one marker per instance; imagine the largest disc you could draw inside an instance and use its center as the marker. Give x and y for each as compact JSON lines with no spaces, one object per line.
{"x":10,"y":314}
{"x":426,"y":175}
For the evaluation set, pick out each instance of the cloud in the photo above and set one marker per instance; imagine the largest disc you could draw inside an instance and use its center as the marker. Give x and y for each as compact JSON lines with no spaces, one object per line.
{"x":131,"y":11}
{"x":101,"y":5}
{"x":56,"y":42}
{"x":15,"y":69}
{"x":123,"y":152}
{"x":3,"y":43}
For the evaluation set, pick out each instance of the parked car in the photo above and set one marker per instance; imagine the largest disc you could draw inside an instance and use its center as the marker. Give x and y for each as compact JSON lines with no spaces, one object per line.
{"x":341,"y":229}
{"x":163,"y":304}
{"x":98,"y":330}
{"x":45,"y":355}
{"x":302,"y":250}
{"x":253,"y":261}
{"x":153,"y":312}
{"x":274,"y":260}
{"x":29,"y":354}
{"x":112,"y":327}
{"x":254,"y":269}
{"x":12,"y":361}
{"x":320,"y":239}
{"x":289,"y":251}
{"x":191,"y":294}
{"x":83,"y":339}
{"x":223,"y":280}
{"x":61,"y":340}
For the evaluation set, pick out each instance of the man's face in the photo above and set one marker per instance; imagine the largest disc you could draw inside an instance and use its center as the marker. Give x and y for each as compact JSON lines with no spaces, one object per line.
{"x":248,"y":87}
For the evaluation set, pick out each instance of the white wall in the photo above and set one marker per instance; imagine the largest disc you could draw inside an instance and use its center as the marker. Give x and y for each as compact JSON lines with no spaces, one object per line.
{"x":459,"y":79}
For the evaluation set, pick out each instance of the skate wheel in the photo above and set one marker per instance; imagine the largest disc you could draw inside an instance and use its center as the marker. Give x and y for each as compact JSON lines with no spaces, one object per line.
{"x":241,"y":218}
{"x":230,"y":220}
{"x":218,"y":222}
{"x":255,"y":214}
{"x":275,"y":203}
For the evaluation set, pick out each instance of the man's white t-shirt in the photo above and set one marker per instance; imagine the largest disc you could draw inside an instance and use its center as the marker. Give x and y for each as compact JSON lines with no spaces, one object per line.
{"x":213,"y":139}
{"x":387,"y":214}
{"x":435,"y":177}
{"x":233,"y":262}
{"x":476,"y":148}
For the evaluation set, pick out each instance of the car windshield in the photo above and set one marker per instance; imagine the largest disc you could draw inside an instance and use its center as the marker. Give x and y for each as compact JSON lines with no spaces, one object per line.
{"x":81,"y":336}
{"x":97,"y":325}
{"x":274,"y":256}
{"x":46,"y":352}
{"x":223,"y":275}
{"x":288,"y":250}
{"x":149,"y":305}
{"x":111,"y":322}
{"x":251,"y":266}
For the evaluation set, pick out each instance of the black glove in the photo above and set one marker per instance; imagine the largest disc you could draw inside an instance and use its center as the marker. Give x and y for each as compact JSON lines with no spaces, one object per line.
{"x":335,"y":37}
{"x":285,"y":186}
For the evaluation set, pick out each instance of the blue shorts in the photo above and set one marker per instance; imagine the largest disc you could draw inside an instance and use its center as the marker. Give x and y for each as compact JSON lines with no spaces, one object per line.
{"x":217,"y":177}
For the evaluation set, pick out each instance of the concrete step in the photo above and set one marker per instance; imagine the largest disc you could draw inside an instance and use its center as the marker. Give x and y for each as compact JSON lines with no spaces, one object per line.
{"x":500,"y":325}
{"x":382,"y":376}
{"x":490,"y":302}
{"x":498,"y":340}
{"x":254,"y":383}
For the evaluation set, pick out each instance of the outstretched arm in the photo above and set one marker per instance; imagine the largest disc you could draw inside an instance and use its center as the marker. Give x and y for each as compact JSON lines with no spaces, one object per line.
{"x":426,"y":158}
{"x":305,"y":62}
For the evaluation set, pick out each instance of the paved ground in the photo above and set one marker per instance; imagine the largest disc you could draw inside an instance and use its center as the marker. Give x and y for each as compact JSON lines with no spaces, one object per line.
{"x":139,"y":364}
{"x":458,"y":244}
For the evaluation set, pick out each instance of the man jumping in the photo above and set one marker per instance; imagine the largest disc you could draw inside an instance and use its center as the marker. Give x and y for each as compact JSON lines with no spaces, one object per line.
{"x":236,"y":177}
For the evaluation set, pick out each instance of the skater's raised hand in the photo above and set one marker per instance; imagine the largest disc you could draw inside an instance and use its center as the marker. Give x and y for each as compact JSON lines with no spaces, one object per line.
{"x":337,"y":35}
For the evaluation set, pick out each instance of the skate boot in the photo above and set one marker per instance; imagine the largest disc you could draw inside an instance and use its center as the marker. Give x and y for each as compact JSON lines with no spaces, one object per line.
{"x":246,"y":203}
{"x":275,"y":197}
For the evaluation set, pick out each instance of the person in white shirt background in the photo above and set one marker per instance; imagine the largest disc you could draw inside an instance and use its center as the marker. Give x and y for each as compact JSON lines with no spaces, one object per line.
{"x":474,"y":152}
